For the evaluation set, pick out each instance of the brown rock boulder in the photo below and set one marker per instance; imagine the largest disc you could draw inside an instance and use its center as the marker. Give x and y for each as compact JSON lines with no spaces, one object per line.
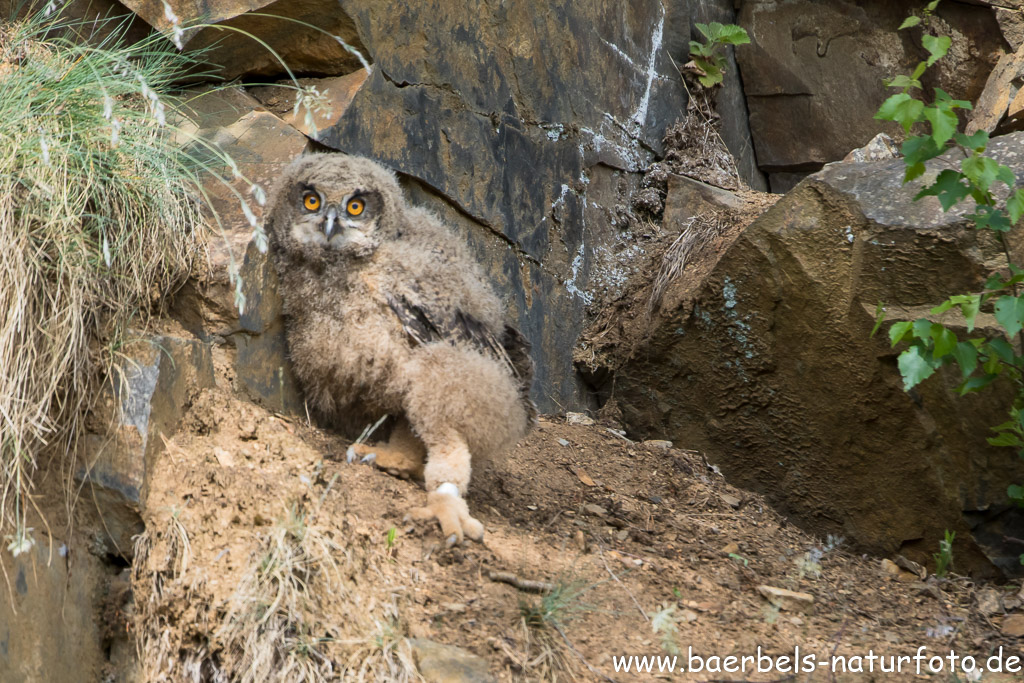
{"x":813,"y":73}
{"x":303,"y":33}
{"x":760,"y":355}
{"x":261,"y":144}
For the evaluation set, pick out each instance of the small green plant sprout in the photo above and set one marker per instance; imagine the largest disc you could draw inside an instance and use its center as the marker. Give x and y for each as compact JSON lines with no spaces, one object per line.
{"x":998,"y":206}
{"x":739,"y":558}
{"x":944,"y":558}
{"x":708,"y":60}
{"x":915,"y":19}
{"x":390,"y":549}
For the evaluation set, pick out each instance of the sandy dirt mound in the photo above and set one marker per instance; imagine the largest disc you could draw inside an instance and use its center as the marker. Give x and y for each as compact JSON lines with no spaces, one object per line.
{"x":265,"y":551}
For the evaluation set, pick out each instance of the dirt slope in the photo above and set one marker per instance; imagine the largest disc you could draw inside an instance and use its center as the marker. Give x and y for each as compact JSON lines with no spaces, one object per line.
{"x":626,"y":532}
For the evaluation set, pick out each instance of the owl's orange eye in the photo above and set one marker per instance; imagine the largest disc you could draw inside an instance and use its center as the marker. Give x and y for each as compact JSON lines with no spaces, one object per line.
{"x":355,"y":207}
{"x":311,"y":200}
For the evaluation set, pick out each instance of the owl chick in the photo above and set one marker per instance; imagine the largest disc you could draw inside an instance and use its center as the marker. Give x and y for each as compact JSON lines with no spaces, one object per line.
{"x":387,"y":314}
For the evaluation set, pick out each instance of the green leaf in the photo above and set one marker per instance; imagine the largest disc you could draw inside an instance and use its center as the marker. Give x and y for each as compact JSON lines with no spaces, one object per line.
{"x":970,"y":308}
{"x":953,"y":301}
{"x":914,"y":368}
{"x":910,"y":22}
{"x":919,"y":71}
{"x":1002,"y":349}
{"x":714,"y":74}
{"x":1015,"y":205}
{"x":904,"y":82}
{"x":919,"y":149}
{"x":996,"y":282}
{"x":706,"y":30}
{"x":901,"y":108}
{"x":977,"y":142}
{"x":945,"y":341}
{"x":937,"y":47}
{"x":944,"y":99}
{"x":1009,"y":310}
{"x":731,"y":34}
{"x":976,"y":384}
{"x":948,"y":187}
{"x":982,"y":171}
{"x":966,"y":357}
{"x":898,"y":331}
{"x":879,"y":318}
{"x":1005,"y":439}
{"x":1004,"y":174}
{"x":699,"y":49}
{"x":930,"y":7}
{"x":944,"y":123}
{"x":990,"y":218}
{"x":914,"y":171}
{"x":1016,"y":494}
{"x":922,"y":329}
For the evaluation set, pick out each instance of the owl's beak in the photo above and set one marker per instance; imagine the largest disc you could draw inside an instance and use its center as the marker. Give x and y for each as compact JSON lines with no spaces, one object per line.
{"x":332,"y":215}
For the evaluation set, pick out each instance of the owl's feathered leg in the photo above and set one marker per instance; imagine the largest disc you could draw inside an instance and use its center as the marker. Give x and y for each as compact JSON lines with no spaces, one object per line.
{"x":447,"y":477}
{"x":403,"y":454}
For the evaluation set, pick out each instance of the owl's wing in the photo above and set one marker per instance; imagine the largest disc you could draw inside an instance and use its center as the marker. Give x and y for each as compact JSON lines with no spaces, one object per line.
{"x":424,"y":325}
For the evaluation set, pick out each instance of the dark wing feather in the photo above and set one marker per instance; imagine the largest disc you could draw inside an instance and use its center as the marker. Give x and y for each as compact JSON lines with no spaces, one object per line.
{"x":425,"y":326}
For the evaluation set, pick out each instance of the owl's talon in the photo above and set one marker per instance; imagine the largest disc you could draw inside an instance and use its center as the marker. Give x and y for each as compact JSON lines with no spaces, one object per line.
{"x":452,"y":514}
{"x":364,"y":453}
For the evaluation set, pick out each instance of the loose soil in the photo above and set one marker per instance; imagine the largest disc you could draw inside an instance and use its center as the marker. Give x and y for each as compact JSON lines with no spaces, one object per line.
{"x":628,"y":533}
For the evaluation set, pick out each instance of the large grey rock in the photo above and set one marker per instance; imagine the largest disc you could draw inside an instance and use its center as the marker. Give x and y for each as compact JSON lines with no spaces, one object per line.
{"x":142,"y":402}
{"x":760,"y":356}
{"x":813,"y":73}
{"x":49,"y":629}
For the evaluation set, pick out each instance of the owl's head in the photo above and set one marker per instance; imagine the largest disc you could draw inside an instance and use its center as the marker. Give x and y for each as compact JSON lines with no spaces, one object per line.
{"x":333,"y":203}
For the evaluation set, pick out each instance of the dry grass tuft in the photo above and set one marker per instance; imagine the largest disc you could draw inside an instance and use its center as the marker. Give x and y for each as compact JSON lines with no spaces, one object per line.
{"x":305,"y":609}
{"x":700,"y":231}
{"x":99,"y":221}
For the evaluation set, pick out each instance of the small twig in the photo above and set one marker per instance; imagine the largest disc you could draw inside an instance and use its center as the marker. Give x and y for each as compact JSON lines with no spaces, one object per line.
{"x":525,"y":585}
{"x":612,"y":431}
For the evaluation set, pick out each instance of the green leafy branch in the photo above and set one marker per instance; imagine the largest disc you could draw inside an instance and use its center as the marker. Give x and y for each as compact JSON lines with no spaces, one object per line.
{"x":707,"y":56}
{"x":998,"y":207}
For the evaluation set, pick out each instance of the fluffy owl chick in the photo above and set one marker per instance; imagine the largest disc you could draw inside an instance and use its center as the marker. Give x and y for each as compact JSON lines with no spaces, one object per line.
{"x":387,"y":314}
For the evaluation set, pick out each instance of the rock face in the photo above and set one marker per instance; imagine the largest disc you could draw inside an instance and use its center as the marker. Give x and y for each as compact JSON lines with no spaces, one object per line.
{"x":497,"y":123}
{"x":762,"y":358}
{"x":50,"y":628}
{"x":813,"y":73}
{"x":507,"y":134}
{"x":141,"y":405}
